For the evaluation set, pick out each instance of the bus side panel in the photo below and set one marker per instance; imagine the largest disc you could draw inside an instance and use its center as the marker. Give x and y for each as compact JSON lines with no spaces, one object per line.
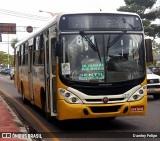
{"x":38,"y":84}
{"x":68,"y":111}
{"x":24,"y":81}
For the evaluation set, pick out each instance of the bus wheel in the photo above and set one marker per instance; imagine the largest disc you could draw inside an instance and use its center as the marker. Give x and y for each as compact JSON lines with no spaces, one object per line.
{"x":23,"y":97}
{"x":156,"y":96}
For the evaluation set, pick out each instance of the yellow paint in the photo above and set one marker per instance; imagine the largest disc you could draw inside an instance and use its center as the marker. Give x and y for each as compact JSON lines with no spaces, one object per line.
{"x":75,"y":111}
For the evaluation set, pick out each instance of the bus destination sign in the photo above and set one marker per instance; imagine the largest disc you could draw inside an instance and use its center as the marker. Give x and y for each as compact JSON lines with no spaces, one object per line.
{"x":100,"y":22}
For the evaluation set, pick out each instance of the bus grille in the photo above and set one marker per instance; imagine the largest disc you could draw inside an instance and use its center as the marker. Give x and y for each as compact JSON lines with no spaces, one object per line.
{"x":110,"y":100}
{"x":107,"y":91}
{"x":104,"y":109}
{"x":151,"y":81}
{"x":153,"y":86}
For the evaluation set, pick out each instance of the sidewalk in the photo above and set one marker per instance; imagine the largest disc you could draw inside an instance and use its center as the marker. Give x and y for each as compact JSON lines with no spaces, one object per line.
{"x":9,"y":122}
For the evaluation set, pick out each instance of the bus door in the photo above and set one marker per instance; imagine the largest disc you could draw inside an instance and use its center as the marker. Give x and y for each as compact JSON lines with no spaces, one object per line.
{"x":52,"y":59}
{"x":46,"y":68}
{"x":50,"y":75}
{"x":30,"y":77}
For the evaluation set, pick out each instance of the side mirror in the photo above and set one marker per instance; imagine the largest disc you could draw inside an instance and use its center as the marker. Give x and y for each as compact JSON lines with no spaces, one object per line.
{"x":0,"y":38}
{"x":57,"y":49}
{"x":148,"y":47}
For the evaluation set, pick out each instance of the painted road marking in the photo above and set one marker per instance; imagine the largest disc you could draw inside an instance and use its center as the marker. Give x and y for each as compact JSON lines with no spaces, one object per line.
{"x":54,"y":138}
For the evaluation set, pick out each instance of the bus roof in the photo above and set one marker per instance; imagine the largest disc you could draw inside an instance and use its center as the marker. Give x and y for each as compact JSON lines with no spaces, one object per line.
{"x":58,"y":15}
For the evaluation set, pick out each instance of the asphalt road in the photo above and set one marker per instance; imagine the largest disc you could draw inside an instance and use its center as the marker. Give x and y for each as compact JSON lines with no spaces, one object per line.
{"x":121,"y":128}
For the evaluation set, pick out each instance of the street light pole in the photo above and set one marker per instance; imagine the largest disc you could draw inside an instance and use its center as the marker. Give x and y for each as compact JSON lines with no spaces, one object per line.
{"x":52,"y":14}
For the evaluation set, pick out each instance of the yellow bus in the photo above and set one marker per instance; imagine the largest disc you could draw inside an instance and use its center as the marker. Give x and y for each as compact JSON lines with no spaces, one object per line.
{"x":85,"y":65}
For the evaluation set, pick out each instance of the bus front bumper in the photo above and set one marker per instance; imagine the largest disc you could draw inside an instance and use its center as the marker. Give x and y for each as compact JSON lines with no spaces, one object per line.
{"x":79,"y":111}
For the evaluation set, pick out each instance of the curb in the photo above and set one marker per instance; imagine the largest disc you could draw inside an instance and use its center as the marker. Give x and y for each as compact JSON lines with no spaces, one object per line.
{"x":16,"y":118}
{"x":20,"y":123}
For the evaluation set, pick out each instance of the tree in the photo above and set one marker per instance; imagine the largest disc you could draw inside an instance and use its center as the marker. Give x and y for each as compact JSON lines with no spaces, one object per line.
{"x":140,"y":7}
{"x":14,"y":41}
{"x":156,"y":48}
{"x":4,"y":59}
{"x":4,"y":56}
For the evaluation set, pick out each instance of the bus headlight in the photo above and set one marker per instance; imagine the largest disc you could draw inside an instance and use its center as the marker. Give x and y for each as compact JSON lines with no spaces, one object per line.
{"x":69,"y":97}
{"x":138,"y":94}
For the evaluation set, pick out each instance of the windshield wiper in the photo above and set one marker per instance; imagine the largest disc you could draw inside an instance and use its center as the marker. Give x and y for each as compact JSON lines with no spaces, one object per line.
{"x":92,"y":45}
{"x":120,"y":35}
{"x":110,"y":44}
{"x":125,"y":22}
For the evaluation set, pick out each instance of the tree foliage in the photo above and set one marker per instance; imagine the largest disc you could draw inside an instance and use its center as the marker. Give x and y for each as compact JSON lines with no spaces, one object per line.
{"x":145,"y":3}
{"x":156,"y":49}
{"x":14,"y":41}
{"x":140,"y":7}
{"x":4,"y":59}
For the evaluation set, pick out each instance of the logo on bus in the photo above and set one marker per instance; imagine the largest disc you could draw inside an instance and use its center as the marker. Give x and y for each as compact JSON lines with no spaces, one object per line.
{"x":105,"y":100}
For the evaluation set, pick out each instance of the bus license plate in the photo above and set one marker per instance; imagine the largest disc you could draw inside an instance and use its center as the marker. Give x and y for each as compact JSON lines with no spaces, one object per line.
{"x":137,"y":108}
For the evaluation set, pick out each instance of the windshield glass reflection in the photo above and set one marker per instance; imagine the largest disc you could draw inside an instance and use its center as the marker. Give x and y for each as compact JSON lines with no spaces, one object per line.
{"x":122,"y":61}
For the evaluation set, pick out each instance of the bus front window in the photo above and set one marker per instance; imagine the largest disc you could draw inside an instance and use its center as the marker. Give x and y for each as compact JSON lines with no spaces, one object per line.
{"x":125,"y":58}
{"x":96,"y":58}
{"x":84,"y":62}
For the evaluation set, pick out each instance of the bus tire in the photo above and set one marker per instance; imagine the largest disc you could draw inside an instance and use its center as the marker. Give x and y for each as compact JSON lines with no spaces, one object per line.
{"x":156,"y":96}
{"x":24,"y":100}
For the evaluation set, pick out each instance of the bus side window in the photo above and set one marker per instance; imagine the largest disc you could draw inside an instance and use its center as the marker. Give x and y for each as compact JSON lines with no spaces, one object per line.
{"x":16,"y":58}
{"x":41,"y":56}
{"x":26,"y":54}
{"x":53,"y":42}
{"x":41,"y":50}
{"x":19,"y":56}
{"x":36,"y":50}
{"x":47,"y":53}
{"x":22,"y":54}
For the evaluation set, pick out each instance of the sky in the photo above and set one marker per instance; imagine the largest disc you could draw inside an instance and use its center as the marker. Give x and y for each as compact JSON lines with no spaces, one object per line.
{"x":10,"y":10}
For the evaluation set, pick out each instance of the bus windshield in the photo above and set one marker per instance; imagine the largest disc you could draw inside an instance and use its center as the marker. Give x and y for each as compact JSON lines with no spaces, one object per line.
{"x":100,"y":58}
